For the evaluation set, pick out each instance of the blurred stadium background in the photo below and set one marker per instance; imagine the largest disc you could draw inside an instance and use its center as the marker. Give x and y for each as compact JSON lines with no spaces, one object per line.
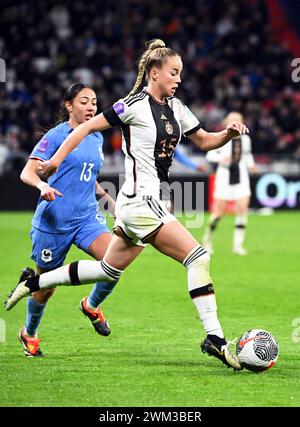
{"x":237,"y":55}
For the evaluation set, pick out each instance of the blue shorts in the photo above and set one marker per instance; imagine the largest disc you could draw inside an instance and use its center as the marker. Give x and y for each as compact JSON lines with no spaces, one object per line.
{"x":50,"y":250}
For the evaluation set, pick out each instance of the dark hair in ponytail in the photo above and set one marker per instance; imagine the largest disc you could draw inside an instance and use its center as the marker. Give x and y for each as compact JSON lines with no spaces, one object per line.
{"x":69,"y":95}
{"x":62,"y":115}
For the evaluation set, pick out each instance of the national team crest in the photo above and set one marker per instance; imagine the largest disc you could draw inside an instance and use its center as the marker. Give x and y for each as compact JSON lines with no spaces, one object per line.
{"x":46,"y":255}
{"x":169,"y":128}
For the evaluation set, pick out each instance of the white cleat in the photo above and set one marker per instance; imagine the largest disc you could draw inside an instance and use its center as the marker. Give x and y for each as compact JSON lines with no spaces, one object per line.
{"x":231,"y":358}
{"x":224,"y":353}
{"x":239,"y":250}
{"x":20,"y":291}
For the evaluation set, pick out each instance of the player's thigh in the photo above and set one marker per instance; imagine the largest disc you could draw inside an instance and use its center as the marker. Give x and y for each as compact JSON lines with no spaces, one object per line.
{"x":241,"y":205}
{"x":174,"y":240}
{"x":49,"y":250}
{"x":121,"y":252}
{"x":93,"y":236}
{"x":219,"y":207}
{"x":99,"y":246}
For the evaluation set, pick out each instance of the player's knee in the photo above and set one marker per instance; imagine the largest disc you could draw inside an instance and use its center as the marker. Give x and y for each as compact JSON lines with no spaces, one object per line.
{"x":202,"y":262}
{"x":198,"y":255}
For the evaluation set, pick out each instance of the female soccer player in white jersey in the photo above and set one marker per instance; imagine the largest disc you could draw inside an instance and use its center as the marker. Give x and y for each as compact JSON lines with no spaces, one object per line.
{"x":152,"y":122}
{"x":231,"y":183}
{"x":67,"y":212}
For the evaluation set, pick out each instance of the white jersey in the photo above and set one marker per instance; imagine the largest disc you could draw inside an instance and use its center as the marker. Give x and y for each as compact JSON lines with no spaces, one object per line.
{"x":151,"y":130}
{"x":232,"y":176}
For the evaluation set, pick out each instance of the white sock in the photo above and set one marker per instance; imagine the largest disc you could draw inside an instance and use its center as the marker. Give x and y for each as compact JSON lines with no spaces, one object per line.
{"x":89,"y":306}
{"x":201,"y":290}
{"x":207,"y":309}
{"x":80,"y":272}
{"x":239,"y":231}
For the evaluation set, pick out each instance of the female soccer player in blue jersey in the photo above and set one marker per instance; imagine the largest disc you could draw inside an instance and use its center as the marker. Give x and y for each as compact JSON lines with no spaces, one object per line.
{"x":67,"y":212}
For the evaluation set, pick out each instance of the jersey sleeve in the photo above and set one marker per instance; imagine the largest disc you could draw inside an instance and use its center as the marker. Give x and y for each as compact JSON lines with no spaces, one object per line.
{"x":189,"y":122}
{"x":46,"y":147}
{"x":119,"y":114}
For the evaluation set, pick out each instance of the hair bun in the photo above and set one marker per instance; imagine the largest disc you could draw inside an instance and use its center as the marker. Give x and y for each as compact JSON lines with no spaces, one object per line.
{"x":155,"y":44}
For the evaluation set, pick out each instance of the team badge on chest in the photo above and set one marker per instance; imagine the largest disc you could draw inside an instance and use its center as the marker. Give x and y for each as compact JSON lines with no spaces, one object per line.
{"x":169,"y":128}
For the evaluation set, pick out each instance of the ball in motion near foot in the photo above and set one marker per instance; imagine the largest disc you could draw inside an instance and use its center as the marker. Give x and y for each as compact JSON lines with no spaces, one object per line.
{"x":257,"y":350}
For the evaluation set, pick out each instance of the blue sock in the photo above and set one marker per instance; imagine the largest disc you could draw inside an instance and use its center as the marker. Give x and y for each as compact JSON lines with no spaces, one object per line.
{"x":100,"y":291}
{"x":34,"y":314}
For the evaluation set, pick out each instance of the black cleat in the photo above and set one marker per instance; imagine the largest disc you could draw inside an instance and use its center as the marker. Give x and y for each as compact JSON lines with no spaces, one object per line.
{"x":26,"y":273}
{"x":97,"y":318}
{"x":20,"y":290}
{"x":222,"y":352}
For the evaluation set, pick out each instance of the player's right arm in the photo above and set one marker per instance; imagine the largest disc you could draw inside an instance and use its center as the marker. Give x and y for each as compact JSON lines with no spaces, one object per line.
{"x":30,"y":176}
{"x":97,"y":123}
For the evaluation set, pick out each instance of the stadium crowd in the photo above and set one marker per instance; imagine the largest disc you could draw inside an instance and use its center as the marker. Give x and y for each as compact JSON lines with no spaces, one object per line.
{"x":232,"y":62}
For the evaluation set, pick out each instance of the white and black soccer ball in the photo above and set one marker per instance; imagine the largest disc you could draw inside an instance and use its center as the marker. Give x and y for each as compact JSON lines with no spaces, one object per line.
{"x":257,"y":350}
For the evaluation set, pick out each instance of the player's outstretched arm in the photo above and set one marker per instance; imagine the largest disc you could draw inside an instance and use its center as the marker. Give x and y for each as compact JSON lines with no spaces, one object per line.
{"x":210,"y":140}
{"x":97,"y":123}
{"x":30,"y":176}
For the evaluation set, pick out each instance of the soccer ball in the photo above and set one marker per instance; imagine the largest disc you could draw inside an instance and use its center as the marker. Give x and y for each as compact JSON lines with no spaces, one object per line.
{"x":257,"y":350}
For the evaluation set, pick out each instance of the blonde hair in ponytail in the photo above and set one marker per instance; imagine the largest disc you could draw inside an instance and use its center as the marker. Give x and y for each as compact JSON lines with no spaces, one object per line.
{"x":155,"y":55}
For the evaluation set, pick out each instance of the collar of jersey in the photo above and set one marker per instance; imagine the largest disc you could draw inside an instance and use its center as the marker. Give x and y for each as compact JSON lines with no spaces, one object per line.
{"x":155,"y":100}
{"x":69,"y":127}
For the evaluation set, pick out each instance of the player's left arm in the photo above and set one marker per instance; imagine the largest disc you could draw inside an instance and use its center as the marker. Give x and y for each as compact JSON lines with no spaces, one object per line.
{"x":210,"y":140}
{"x":206,"y":141}
{"x":103,"y":195}
{"x":97,"y":123}
{"x":30,"y":176}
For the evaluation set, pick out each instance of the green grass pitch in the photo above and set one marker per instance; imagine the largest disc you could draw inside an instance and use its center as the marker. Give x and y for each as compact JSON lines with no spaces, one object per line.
{"x":152,"y":356}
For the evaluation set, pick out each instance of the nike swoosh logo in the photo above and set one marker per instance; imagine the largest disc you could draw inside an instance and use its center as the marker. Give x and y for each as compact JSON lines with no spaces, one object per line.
{"x":221,"y":353}
{"x":244,"y":342}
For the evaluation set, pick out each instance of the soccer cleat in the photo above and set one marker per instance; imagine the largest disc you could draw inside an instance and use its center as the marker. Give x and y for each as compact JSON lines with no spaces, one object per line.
{"x":222,"y":352}
{"x":239,"y":250}
{"x":30,"y":345}
{"x":20,"y":290}
{"x":99,"y":322}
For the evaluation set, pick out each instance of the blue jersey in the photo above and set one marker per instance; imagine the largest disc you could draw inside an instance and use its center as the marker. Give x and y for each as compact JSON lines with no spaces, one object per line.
{"x":75,"y":179}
